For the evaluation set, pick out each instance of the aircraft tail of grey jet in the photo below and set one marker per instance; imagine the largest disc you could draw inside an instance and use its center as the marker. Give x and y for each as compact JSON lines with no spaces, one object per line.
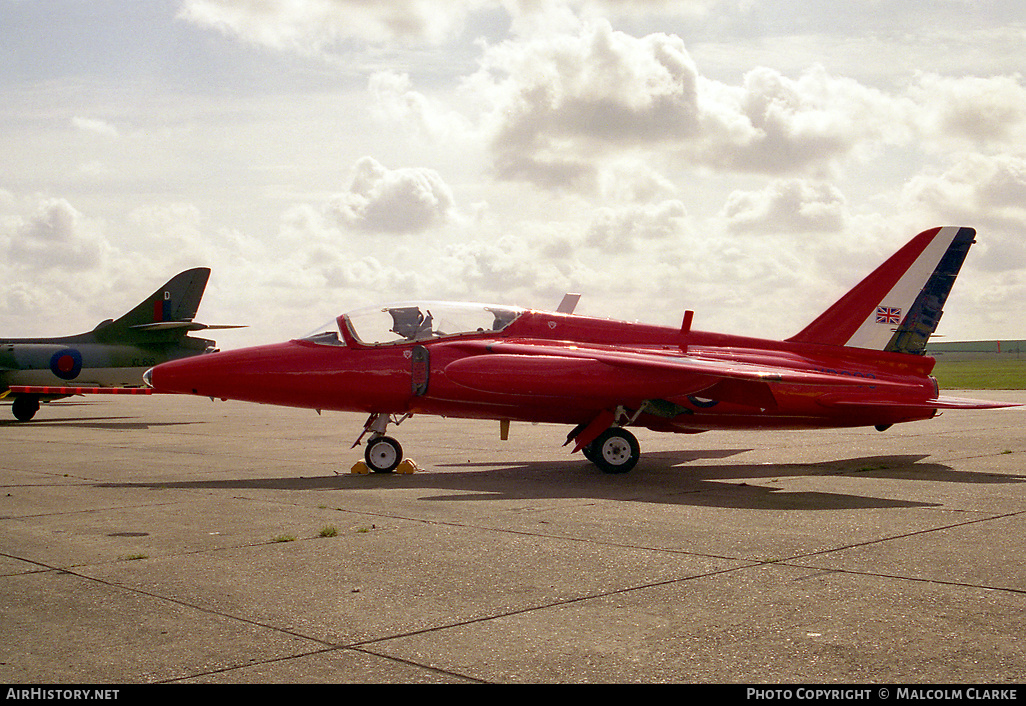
{"x":114,"y":355}
{"x":164,"y":316}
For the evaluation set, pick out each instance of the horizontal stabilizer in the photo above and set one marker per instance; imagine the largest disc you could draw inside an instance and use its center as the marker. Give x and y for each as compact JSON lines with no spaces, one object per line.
{"x":966,"y":403}
{"x":935,"y":403}
{"x":186,"y":325}
{"x":165,"y":314}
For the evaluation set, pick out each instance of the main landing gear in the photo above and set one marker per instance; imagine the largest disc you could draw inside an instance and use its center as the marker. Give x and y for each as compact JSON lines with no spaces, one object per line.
{"x":605,"y":442}
{"x":25,"y":407}
{"x":616,"y":450}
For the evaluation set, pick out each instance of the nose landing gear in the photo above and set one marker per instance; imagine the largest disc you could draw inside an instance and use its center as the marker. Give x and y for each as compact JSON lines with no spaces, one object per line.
{"x":383,"y":453}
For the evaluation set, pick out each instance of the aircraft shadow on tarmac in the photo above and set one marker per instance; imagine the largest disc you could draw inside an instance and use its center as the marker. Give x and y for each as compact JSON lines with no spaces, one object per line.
{"x":109,"y":423}
{"x":662,"y":478}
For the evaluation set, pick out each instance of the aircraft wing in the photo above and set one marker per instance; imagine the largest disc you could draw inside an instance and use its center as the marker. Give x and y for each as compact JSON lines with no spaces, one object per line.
{"x":689,"y":364}
{"x":615,"y":375}
{"x":543,"y":368}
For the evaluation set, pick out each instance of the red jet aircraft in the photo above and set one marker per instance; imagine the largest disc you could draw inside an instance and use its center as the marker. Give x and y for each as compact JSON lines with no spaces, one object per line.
{"x":860,"y":363}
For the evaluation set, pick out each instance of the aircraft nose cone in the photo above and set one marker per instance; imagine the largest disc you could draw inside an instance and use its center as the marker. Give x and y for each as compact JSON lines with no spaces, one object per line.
{"x":255,"y":374}
{"x":185,"y":376}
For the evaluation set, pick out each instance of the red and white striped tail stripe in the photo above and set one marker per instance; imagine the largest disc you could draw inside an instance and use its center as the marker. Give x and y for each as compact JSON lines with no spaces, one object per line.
{"x":55,"y":390}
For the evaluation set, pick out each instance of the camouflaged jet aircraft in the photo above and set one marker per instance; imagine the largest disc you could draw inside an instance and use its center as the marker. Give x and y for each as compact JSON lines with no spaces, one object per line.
{"x":113,"y":356}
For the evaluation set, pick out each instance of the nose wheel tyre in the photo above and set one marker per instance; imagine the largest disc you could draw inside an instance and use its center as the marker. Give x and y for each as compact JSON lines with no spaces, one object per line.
{"x":383,"y":454}
{"x":616,"y":450}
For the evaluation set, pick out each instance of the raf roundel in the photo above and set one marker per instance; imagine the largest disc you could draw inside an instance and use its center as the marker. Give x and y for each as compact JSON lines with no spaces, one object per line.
{"x":66,"y":364}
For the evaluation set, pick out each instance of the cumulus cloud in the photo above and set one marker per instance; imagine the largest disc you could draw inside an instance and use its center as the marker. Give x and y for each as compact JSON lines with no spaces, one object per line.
{"x":404,"y":200}
{"x":773,"y":124}
{"x":977,"y":189}
{"x":565,"y":96}
{"x":633,"y":180}
{"x":560,"y":98}
{"x":49,"y":254}
{"x":985,"y":192}
{"x":972,"y":109}
{"x":315,"y":26}
{"x":397,"y":103}
{"x":94,"y":125}
{"x":787,"y":205}
{"x":54,"y":236}
{"x":493,"y":269}
{"x":565,"y":101}
{"x":631,"y":226}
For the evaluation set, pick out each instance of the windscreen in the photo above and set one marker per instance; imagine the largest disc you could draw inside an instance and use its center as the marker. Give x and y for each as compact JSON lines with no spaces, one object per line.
{"x":327,"y":335}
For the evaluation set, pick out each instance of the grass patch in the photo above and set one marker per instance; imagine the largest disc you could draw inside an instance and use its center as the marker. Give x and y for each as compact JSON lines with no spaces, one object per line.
{"x":981,"y":374}
{"x":329,"y":531}
{"x":285,"y":538}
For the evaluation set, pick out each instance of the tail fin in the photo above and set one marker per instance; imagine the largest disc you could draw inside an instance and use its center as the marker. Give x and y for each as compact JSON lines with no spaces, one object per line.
{"x":164,"y":315}
{"x":898,"y":306}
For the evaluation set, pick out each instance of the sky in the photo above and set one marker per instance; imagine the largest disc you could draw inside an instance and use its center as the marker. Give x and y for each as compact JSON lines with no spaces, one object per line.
{"x":749,"y":160}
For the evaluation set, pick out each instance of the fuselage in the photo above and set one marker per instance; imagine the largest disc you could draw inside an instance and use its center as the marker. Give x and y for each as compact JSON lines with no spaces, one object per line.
{"x":77,"y":360}
{"x":550,"y":367}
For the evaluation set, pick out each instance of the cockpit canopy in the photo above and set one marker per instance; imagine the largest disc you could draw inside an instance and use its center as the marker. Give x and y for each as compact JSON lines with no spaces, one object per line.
{"x":416,"y":321}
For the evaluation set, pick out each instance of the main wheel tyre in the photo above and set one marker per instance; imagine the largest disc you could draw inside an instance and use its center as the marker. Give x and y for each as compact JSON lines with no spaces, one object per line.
{"x":616,"y":450}
{"x":383,"y":454}
{"x":591,"y":453}
{"x":25,"y":407}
